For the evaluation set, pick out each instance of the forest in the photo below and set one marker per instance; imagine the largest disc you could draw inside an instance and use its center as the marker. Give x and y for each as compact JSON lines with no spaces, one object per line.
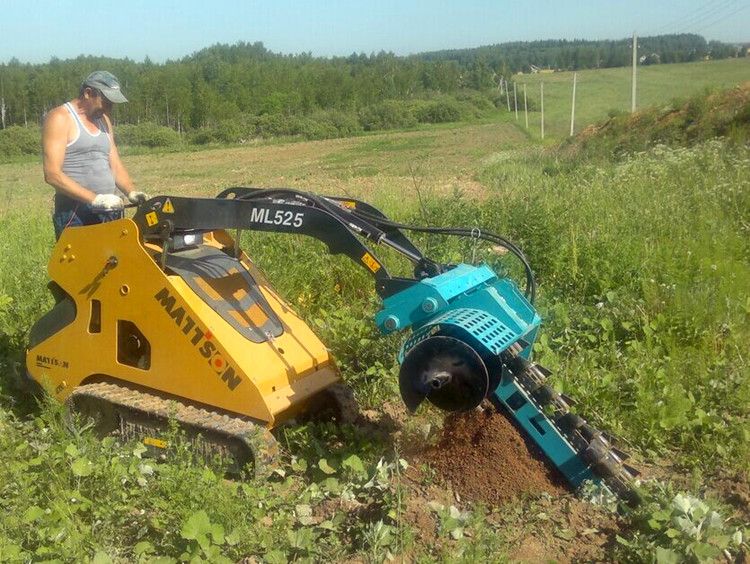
{"x":247,"y":81}
{"x":585,"y":54}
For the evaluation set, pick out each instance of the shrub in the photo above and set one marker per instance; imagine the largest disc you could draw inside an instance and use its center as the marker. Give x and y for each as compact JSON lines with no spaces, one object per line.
{"x":390,"y":114}
{"x":323,"y":124}
{"x":277,"y":125}
{"x":16,"y":141}
{"x":480,"y":102}
{"x":244,"y":127}
{"x":147,"y":134}
{"x":339,"y":123}
{"x":311,"y":128}
{"x":439,"y":112}
{"x":232,"y":131}
{"x":203,"y":136}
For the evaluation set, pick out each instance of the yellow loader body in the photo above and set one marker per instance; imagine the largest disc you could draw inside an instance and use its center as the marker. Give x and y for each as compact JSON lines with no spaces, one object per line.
{"x":197,"y":336}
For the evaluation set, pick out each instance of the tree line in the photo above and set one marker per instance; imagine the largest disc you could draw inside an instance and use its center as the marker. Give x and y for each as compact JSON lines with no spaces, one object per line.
{"x":520,"y":56}
{"x":226,"y":82}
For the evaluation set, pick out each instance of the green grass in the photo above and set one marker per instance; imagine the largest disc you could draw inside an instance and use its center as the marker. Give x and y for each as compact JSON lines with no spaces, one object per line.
{"x":604,"y":91}
{"x":643,"y":266}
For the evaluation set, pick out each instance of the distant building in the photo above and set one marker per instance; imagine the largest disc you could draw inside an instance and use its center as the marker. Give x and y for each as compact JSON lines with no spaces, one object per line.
{"x":651,"y":59}
{"x":535,"y":69}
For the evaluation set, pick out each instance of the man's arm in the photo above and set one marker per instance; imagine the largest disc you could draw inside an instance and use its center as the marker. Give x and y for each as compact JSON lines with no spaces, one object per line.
{"x":54,"y":140}
{"x":122,"y":178}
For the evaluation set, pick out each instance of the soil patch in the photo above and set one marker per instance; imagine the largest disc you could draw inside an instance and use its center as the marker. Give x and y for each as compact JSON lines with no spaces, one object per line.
{"x":485,"y":458}
{"x":563,"y":530}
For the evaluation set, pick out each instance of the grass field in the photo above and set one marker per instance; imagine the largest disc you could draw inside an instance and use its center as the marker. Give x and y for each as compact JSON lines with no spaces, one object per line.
{"x":600,"y":92}
{"x":374,"y":167}
{"x":643,"y":266}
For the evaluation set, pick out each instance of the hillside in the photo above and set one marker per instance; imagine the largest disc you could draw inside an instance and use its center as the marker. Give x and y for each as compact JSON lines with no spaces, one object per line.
{"x":604,"y":93}
{"x":724,"y":113}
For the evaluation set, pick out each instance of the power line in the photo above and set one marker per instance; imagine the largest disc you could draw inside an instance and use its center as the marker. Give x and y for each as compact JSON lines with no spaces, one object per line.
{"x":688,"y":15}
{"x":722,"y":11}
{"x":721,"y":19}
{"x":687,"y":20}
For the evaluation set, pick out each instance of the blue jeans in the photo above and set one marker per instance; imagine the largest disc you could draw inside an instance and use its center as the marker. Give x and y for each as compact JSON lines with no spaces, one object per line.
{"x":82,"y":214}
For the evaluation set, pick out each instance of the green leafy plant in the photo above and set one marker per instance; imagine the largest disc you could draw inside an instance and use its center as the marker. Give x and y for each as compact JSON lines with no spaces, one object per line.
{"x":205,"y":539}
{"x":680,"y":527}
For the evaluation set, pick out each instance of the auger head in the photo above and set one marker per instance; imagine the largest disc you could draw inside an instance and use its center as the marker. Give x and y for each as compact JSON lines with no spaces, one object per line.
{"x":446,"y":371}
{"x":462,"y":322}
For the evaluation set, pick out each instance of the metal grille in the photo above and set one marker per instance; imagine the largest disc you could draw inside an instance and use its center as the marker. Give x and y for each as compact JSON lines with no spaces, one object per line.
{"x":486,"y":328}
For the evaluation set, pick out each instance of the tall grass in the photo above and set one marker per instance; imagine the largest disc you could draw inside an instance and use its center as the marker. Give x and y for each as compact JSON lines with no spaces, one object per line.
{"x":644,"y":268}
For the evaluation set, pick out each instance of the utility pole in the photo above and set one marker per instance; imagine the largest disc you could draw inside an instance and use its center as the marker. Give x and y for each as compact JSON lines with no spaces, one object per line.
{"x":541,"y":84}
{"x":515,"y":99}
{"x":507,"y":95}
{"x":635,"y":62}
{"x":2,"y":103}
{"x":573,"y":108}
{"x":525,"y":106}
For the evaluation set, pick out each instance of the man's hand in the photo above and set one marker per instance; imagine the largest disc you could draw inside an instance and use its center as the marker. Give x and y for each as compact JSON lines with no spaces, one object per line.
{"x":136,"y":197}
{"x":106,"y":202}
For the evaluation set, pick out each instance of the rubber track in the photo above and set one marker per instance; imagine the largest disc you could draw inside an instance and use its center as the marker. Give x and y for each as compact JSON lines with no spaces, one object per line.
{"x":348,"y":410}
{"x":257,"y":438}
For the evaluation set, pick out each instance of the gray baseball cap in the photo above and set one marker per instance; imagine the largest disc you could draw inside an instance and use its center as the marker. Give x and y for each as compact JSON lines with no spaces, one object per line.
{"x":106,"y":83}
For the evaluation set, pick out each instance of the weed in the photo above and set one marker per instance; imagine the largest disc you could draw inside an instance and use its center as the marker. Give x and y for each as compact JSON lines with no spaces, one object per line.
{"x":678,"y":527}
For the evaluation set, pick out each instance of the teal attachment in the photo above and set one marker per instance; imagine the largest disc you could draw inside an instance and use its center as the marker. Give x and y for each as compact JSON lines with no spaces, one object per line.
{"x":540,"y":429}
{"x":490,"y":315}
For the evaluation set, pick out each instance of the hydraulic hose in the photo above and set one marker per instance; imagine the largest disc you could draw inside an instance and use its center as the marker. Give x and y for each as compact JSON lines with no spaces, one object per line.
{"x":325,"y":203}
{"x":530,"y":290}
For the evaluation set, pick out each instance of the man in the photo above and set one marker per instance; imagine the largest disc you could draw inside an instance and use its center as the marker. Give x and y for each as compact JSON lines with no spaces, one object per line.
{"x":80,"y":157}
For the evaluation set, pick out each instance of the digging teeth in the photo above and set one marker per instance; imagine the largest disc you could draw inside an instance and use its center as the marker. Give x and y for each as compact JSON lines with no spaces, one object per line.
{"x":608,"y":437}
{"x":545,"y":394}
{"x":632,"y":471}
{"x":595,"y":447}
{"x":542,"y":370}
{"x":567,"y":399}
{"x":620,"y":454}
{"x":570,"y":422}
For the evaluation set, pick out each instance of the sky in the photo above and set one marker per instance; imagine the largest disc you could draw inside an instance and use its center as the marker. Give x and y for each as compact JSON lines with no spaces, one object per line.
{"x":36,"y":30}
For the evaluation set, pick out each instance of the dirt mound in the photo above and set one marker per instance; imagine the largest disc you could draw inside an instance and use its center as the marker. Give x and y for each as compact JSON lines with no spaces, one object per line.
{"x":486,"y":459}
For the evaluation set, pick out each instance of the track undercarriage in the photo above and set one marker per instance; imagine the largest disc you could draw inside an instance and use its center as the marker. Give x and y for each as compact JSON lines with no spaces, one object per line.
{"x":237,"y":443}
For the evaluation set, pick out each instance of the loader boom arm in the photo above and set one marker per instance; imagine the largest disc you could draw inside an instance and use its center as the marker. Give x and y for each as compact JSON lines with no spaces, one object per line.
{"x":164,"y":216}
{"x":343,"y":224}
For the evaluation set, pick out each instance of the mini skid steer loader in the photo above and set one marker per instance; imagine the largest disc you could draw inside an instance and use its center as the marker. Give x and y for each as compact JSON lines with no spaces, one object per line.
{"x":163,"y":316}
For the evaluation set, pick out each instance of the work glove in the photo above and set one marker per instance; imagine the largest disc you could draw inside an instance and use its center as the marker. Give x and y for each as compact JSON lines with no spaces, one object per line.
{"x":106,"y":203}
{"x":136,"y":197}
